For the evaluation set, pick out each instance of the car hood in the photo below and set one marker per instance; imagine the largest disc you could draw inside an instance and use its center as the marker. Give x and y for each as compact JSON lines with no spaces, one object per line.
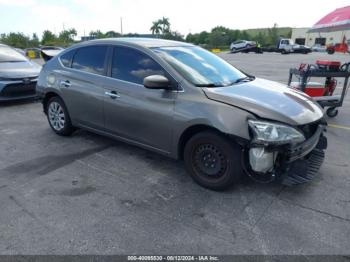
{"x":270,"y":100}
{"x":19,"y":69}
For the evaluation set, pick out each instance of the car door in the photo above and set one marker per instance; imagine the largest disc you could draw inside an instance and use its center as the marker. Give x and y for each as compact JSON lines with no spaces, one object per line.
{"x":80,"y":83}
{"x":240,"y":44}
{"x":133,"y":112}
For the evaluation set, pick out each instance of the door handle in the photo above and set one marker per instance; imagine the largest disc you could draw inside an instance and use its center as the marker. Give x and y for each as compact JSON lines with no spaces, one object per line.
{"x":112,"y":94}
{"x":65,"y":84}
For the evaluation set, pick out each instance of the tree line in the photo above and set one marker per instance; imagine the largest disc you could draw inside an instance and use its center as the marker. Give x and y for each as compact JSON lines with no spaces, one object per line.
{"x":20,"y":40}
{"x":222,"y":37}
{"x":218,"y":37}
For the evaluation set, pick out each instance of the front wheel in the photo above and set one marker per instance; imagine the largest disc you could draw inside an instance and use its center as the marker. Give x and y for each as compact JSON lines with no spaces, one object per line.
{"x":58,"y":117}
{"x":213,"y":160}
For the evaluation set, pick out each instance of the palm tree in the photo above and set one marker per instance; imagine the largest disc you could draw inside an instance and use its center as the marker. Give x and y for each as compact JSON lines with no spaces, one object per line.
{"x":156,"y":28}
{"x":161,"y":26}
{"x":165,"y":24}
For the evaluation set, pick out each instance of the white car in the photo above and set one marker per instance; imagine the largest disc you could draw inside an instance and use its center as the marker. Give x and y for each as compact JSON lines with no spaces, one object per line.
{"x":241,"y":44}
{"x":318,"y":48}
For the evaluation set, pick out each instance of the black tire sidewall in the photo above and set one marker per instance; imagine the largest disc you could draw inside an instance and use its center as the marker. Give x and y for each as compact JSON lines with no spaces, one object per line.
{"x":68,"y":128}
{"x":229,"y":148}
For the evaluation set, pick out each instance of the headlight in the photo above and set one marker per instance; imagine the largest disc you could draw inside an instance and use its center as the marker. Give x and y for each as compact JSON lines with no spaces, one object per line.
{"x":275,"y":133}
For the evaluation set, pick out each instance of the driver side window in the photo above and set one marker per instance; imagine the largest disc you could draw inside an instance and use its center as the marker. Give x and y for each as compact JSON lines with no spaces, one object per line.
{"x":131,"y":65}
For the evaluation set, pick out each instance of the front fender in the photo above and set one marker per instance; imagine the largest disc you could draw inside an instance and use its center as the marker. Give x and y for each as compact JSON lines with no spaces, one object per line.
{"x":212,"y":114}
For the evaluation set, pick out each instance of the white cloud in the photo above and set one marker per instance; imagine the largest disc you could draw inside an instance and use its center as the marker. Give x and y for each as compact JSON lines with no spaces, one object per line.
{"x":185,"y":15}
{"x":22,"y":3}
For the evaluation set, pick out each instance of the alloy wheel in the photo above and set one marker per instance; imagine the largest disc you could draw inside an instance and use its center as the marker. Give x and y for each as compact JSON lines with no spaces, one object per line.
{"x":56,"y":116}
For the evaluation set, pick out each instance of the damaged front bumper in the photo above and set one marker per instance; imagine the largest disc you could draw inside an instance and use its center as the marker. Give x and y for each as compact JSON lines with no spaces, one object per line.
{"x":288,"y":164}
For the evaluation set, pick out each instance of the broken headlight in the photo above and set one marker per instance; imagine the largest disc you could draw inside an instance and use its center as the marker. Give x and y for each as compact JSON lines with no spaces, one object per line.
{"x":269,"y":132}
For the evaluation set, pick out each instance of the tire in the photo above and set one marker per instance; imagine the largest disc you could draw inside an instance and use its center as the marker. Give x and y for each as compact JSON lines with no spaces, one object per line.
{"x":212,"y":160}
{"x":330,"y":51}
{"x":233,"y":50}
{"x":332,"y":112}
{"x":58,"y":117}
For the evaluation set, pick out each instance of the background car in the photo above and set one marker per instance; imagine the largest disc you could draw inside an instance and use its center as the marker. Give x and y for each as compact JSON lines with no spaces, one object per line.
{"x":47,"y":52}
{"x":318,"y":48}
{"x":301,"y":49}
{"x":32,"y":53}
{"x":18,"y":75}
{"x":241,"y":44}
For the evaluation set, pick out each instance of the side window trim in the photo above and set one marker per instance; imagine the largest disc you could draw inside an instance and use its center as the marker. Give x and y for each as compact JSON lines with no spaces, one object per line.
{"x":105,"y":61}
{"x":74,"y":51}
{"x":109,"y":60}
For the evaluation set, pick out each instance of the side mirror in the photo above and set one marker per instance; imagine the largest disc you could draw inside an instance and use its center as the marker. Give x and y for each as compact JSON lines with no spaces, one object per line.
{"x":156,"y":82}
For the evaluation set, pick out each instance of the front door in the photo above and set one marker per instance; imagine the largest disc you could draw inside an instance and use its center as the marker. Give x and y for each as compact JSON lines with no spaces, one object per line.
{"x":132,"y":111}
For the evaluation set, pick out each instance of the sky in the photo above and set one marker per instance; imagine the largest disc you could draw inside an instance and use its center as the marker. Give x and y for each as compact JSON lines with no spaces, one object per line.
{"x":186,"y":16}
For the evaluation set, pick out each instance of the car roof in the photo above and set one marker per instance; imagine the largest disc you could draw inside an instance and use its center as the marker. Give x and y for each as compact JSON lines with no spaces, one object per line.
{"x":144,"y":42}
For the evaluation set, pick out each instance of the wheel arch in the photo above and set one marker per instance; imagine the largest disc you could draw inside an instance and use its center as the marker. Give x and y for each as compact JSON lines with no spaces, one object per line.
{"x":47,"y":98}
{"x":195,"y":129}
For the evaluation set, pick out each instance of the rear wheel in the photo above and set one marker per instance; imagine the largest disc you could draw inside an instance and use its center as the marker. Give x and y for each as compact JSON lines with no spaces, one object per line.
{"x":212,"y":160}
{"x":58,"y":117}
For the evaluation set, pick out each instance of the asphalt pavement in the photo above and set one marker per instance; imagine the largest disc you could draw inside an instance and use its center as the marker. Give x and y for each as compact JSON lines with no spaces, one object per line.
{"x":87,"y":194}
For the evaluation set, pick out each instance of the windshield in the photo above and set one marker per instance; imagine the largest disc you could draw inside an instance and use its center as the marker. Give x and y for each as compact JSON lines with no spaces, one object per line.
{"x":200,"y":67}
{"x":7,"y":54}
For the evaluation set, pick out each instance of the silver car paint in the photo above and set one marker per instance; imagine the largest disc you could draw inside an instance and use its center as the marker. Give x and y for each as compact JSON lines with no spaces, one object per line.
{"x":157,"y":119}
{"x":270,"y":100}
{"x":19,"y":69}
{"x":14,"y":73}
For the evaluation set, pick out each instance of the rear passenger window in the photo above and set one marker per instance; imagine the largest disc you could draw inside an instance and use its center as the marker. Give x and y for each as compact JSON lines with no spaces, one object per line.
{"x":90,"y":59}
{"x":66,"y":58}
{"x":133,"y":66}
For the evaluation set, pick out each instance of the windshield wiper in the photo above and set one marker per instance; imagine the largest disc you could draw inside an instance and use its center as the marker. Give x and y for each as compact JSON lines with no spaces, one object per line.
{"x":244,"y":79}
{"x":209,"y":85}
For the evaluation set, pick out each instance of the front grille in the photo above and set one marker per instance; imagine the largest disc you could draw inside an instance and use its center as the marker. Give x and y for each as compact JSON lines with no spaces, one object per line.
{"x":309,"y":129}
{"x":18,"y":78}
{"x":16,"y":90}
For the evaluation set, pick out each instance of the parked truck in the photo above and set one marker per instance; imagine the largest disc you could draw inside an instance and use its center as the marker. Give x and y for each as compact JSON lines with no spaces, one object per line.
{"x":287,"y":46}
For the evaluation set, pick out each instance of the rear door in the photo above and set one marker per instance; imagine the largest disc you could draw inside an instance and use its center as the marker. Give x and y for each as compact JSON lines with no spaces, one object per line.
{"x":136,"y":113}
{"x":81,"y":84}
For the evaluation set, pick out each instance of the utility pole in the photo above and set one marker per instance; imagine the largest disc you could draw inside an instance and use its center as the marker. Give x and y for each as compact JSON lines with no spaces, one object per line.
{"x":121,"y":25}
